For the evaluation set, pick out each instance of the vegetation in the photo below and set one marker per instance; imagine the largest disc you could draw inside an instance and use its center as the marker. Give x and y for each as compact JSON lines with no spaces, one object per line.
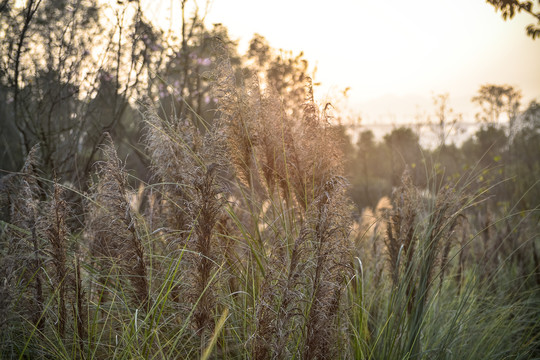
{"x":509,"y":8}
{"x":244,"y":223}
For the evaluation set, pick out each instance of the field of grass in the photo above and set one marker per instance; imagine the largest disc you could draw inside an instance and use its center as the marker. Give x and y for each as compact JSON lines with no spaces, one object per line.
{"x":245,"y":244}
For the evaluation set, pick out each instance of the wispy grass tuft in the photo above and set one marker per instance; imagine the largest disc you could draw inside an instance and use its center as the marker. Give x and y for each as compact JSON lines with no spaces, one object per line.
{"x":244,"y":244}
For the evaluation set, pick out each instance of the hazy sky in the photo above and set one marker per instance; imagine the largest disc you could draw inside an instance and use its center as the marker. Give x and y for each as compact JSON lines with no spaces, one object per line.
{"x":394,"y":54}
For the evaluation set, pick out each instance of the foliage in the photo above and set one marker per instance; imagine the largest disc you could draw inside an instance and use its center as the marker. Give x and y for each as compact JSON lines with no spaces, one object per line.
{"x":234,"y":233}
{"x":509,"y":8}
{"x":497,"y":100}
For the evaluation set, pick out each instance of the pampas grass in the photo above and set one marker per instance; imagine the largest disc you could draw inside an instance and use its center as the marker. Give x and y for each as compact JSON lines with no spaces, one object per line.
{"x":246,"y":245}
{"x":111,"y":228}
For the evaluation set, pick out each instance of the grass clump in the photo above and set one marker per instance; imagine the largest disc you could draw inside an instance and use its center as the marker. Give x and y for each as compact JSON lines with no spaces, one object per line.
{"x":246,"y":245}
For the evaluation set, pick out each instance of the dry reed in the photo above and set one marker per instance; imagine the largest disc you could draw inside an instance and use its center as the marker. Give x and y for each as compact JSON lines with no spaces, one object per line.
{"x":111,"y":227}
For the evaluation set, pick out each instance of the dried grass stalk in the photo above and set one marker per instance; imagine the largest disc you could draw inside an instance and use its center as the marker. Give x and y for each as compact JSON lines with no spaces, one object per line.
{"x":111,"y":227}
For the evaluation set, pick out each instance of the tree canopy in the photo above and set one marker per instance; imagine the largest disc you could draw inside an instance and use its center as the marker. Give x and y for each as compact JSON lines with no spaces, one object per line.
{"x":509,"y":8}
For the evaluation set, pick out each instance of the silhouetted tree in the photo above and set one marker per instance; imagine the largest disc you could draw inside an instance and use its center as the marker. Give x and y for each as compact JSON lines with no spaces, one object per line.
{"x":445,"y":119}
{"x":364,"y":176}
{"x":404,"y":150}
{"x":509,"y":8}
{"x":495,"y":101}
{"x":282,"y":71}
{"x":523,"y":159}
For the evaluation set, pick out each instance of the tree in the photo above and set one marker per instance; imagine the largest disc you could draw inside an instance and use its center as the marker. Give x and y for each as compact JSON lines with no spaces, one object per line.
{"x":445,"y":119}
{"x":367,"y":149}
{"x":184,"y":87}
{"x":486,"y":146}
{"x":523,"y":162}
{"x":495,"y":101}
{"x":43,"y":54}
{"x":282,"y":71}
{"x":509,"y":8}
{"x":404,"y":150}
{"x":68,"y":76}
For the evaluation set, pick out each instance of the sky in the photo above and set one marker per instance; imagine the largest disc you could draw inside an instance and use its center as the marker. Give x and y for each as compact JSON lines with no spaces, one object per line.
{"x":394,"y":54}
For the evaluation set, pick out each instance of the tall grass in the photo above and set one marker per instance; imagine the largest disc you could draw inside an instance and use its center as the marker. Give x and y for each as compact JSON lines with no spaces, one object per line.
{"x":245,"y":245}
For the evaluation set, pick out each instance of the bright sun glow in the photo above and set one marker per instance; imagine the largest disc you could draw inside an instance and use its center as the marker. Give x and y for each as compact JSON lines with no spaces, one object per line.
{"x":405,"y":49}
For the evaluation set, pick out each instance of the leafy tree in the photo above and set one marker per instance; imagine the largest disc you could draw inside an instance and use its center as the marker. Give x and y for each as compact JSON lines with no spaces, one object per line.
{"x":43,"y":57}
{"x":345,"y":144}
{"x":495,"y":101}
{"x":68,"y":77}
{"x":363,"y":176}
{"x":524,"y":163}
{"x":486,"y":145}
{"x":404,"y":151}
{"x":184,"y":86}
{"x":282,"y":71}
{"x":509,"y":8}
